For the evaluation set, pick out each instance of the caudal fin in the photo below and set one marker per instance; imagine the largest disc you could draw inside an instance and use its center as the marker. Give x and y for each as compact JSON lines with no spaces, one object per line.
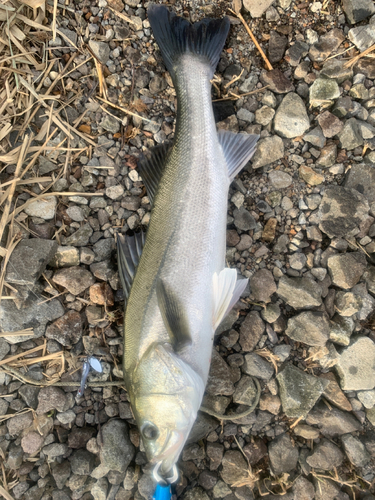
{"x":176,"y":36}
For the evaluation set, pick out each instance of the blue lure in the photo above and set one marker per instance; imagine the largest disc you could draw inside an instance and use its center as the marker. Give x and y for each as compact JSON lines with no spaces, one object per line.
{"x":162,"y":492}
{"x":89,"y":362}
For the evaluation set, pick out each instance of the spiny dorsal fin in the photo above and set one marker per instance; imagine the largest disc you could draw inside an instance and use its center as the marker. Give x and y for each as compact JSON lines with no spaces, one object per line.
{"x":151,"y":167}
{"x":129,"y":251}
{"x":238,"y":150}
{"x":226,"y":293}
{"x":174,"y":315}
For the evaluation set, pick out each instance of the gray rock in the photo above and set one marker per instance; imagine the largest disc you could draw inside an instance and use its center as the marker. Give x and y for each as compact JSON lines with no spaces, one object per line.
{"x":325,"y":489}
{"x":51,"y":398}
{"x":326,"y":456}
{"x":29,"y":394}
{"x":29,"y":260}
{"x":117,"y":450}
{"x":319,"y":51}
{"x":257,"y":7}
{"x":276,"y":46}
{"x":220,"y":377}
{"x":258,"y":367}
{"x":291,"y":118}
{"x":315,"y":137}
{"x":323,"y":91}
{"x":336,"y":70}
{"x":100,"y":489}
{"x":19,"y":423}
{"x":299,"y":391}
{"x":330,"y":124}
{"x":269,"y":149}
{"x":279,"y":179}
{"x":271,"y":313}
{"x":341,"y":211}
{"x":300,"y":293}
{"x":311,"y":328}
{"x":362,"y":178}
{"x":115,"y":192}
{"x":67,"y":330}
{"x":356,"y":365}
{"x":101,"y":50}
{"x":347,"y":303}
{"x":215,"y":453}
{"x":283,"y":455}
{"x":346,"y":269}
{"x":303,"y":489}
{"x":332,"y":422}
{"x":251,"y":331}
{"x":75,"y":279}
{"x":54,"y":450}
{"x":362,"y":36}
{"x":4,"y":348}
{"x":243,"y":220}
{"x":350,"y":136}
{"x":357,"y":10}
{"x":262,"y":286}
{"x":367,"y":398}
{"x":82,"y":462}
{"x":103,"y":249}
{"x":235,"y":468}
{"x":36,"y":314}
{"x":61,"y":473}
{"x":80,"y":238}
{"x":341,"y":329}
{"x":203,"y":425}
{"x":43,"y":208}
{"x":65,"y":257}
{"x":355,"y":450}
{"x":245,"y":392}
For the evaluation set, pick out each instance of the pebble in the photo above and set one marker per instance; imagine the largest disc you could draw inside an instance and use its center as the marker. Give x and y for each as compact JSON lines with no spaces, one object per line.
{"x":346,"y":269}
{"x":235,"y":467}
{"x":262,"y":286}
{"x":257,"y":8}
{"x":306,"y":431}
{"x":310,"y":176}
{"x":332,"y":422}
{"x":291,"y":119}
{"x":357,"y":10}
{"x":283,"y":455}
{"x":101,"y":50}
{"x":43,"y":208}
{"x":66,"y":330}
{"x":65,"y":257}
{"x":300,"y":293}
{"x":355,"y":450}
{"x":75,"y":279}
{"x":311,"y":328}
{"x":243,"y":220}
{"x":326,"y":456}
{"x":80,"y":238}
{"x":333,"y":393}
{"x":51,"y":398}
{"x":258,"y":367}
{"x":323,"y":92}
{"x":115,"y":192}
{"x":117,"y":451}
{"x":279,"y":179}
{"x":350,"y":136}
{"x":330,"y":124}
{"x":251,"y":331}
{"x":356,"y":364}
{"x":367,"y":398}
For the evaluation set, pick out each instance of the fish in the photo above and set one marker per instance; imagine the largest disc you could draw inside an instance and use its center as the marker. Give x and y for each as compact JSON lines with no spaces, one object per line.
{"x":177,"y":289}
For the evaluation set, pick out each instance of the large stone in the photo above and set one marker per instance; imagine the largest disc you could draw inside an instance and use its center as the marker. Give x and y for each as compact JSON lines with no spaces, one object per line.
{"x":29,"y":260}
{"x":235,"y":469}
{"x":332,"y":421}
{"x":101,"y":50}
{"x":220,"y":377}
{"x":362,"y":36}
{"x":269,"y":149}
{"x":276,"y":46}
{"x":256,"y":366}
{"x":311,"y":328}
{"x":334,"y":394}
{"x":336,"y":70}
{"x":323,"y":91}
{"x":341,"y":211}
{"x":117,"y":451}
{"x":51,"y":398}
{"x":43,"y":208}
{"x":356,"y":365}
{"x":251,"y":331}
{"x":355,"y":450}
{"x":67,"y":330}
{"x":350,"y":136}
{"x":75,"y":279}
{"x":291,"y":118}
{"x":320,"y":50}
{"x":35,"y":314}
{"x":299,"y":391}
{"x":80,"y":238}
{"x":325,"y":455}
{"x":358,"y":10}
{"x":262,"y":286}
{"x":362,"y":178}
{"x":276,"y":81}
{"x":300,"y":293}
{"x":257,"y":7}
{"x":346,"y":269}
{"x":283,"y":454}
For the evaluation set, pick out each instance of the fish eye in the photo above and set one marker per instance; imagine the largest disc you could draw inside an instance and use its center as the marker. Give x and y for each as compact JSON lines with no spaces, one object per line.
{"x":150,"y":431}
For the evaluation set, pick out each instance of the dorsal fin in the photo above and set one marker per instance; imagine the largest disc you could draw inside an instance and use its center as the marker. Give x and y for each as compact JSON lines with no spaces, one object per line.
{"x":129,"y":251}
{"x":238,"y":150}
{"x":226,"y":293}
{"x":174,"y":315}
{"x":151,"y":167}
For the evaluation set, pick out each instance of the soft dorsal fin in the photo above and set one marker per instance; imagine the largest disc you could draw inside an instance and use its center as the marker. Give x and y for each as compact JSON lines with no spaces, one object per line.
{"x":129,"y":250}
{"x":174,"y":315}
{"x":238,"y":150}
{"x":151,"y":168}
{"x":226,"y":293}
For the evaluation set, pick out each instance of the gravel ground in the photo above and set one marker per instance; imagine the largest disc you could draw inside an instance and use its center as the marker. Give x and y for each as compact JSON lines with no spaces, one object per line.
{"x":301,"y":227}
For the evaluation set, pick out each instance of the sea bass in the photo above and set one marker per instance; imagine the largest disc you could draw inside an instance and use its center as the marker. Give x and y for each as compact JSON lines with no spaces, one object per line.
{"x":176,"y":285}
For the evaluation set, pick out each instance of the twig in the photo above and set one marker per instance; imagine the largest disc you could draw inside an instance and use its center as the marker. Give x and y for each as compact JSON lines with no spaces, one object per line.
{"x":351,"y":62}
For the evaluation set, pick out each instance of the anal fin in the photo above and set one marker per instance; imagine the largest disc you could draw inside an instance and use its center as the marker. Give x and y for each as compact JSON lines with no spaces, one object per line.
{"x":227,"y":290}
{"x":238,"y":150}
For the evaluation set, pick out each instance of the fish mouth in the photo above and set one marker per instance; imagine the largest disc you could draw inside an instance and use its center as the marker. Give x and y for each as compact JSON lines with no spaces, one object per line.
{"x":165,"y":461}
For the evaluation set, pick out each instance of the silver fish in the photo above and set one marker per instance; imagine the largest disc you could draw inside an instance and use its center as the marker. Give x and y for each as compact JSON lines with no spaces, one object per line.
{"x":176,"y":285}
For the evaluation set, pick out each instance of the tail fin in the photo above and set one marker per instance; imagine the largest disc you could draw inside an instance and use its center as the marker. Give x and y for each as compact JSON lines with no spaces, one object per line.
{"x":176,"y":36}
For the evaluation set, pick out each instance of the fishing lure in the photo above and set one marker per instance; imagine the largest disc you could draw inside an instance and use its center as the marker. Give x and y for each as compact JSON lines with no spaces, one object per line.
{"x":90,"y":362}
{"x":162,"y":492}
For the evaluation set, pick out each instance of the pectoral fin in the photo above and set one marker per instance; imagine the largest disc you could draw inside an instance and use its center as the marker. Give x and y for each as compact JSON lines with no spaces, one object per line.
{"x":237,"y":149}
{"x":227,"y":291}
{"x":174,"y":315}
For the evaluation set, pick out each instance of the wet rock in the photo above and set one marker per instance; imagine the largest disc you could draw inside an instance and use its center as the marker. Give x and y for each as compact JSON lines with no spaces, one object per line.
{"x":323,"y":91}
{"x":269,"y":149}
{"x":65,"y":257}
{"x":276,"y":81}
{"x":234,"y":467}
{"x":362,"y":178}
{"x":276,"y":46}
{"x":117,"y":450}
{"x":251,"y":331}
{"x":350,"y":136}
{"x":357,"y":10}
{"x":262,"y":286}
{"x":341,"y":211}
{"x":356,"y":364}
{"x":330,"y":124}
{"x":279,"y":179}
{"x":326,"y":456}
{"x":75,"y":279}
{"x":334,"y":394}
{"x":298,"y":391}
{"x":319,"y":51}
{"x":243,"y":220}
{"x":42,"y":208}
{"x":282,"y":454}
{"x":257,"y":8}
{"x":36,"y":314}
{"x":355,"y":450}
{"x":67,"y":330}
{"x":300,"y":293}
{"x":291,"y":119}
{"x":101,"y":50}
{"x":29,"y":260}
{"x":257,"y":366}
{"x":51,"y":398}
{"x":332,"y":422}
{"x":311,"y":328}
{"x":346,"y":269}
{"x":362,"y":36}
{"x":219,"y":379}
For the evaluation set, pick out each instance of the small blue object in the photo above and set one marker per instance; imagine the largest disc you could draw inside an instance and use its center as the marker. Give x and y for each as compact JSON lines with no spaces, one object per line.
{"x":162,"y":492}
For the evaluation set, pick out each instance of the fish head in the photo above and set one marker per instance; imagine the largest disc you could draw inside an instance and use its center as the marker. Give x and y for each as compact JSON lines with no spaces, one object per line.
{"x":166,"y":397}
